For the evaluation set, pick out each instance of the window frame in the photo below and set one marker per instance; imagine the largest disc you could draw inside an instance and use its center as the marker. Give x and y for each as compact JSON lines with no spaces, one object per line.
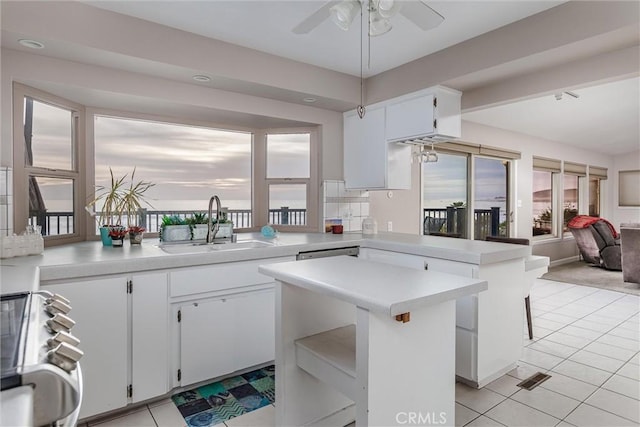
{"x":554,"y":167}
{"x":91,"y":113}
{"x":579,"y":171}
{"x":22,"y":172}
{"x":312,"y":183}
{"x":470,"y":152}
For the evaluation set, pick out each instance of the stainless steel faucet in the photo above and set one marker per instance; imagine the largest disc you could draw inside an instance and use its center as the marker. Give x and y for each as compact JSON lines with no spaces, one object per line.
{"x":212,"y":229}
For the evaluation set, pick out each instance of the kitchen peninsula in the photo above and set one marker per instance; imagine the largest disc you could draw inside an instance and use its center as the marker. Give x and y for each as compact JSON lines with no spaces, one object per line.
{"x":144,"y":290}
{"x":383,"y":336}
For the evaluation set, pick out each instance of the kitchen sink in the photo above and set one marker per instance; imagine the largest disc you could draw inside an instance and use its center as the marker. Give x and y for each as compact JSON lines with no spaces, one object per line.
{"x":192,"y":248}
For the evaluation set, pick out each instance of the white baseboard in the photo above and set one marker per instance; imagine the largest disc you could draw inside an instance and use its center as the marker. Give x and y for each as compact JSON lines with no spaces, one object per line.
{"x":564,"y":261}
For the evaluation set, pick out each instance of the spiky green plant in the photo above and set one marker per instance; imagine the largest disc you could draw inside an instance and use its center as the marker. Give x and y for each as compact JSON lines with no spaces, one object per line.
{"x":111,"y":199}
{"x":132,"y":198}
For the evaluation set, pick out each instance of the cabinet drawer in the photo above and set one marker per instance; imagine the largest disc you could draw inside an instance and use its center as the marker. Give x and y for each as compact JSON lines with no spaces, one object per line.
{"x":220,"y":277}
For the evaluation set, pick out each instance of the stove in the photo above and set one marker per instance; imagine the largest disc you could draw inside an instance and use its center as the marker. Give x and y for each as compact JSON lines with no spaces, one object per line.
{"x":39,"y":356}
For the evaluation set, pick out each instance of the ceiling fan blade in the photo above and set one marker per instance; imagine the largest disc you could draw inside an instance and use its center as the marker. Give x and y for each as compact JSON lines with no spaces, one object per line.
{"x":421,"y":15}
{"x":315,"y":19}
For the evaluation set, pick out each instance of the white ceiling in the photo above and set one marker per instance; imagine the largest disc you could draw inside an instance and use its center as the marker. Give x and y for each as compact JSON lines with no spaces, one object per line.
{"x":266,"y":25}
{"x":605,"y":118}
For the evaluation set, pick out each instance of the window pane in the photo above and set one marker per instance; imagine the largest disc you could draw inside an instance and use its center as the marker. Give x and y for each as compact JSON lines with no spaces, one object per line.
{"x":594,"y":197}
{"x":187,"y":164}
{"x":445,"y":196}
{"x":51,"y":205}
{"x":570,"y":199}
{"x":288,"y":204}
{"x":490,"y":204}
{"x":542,"y":203}
{"x":51,"y":131}
{"x":289,"y":155}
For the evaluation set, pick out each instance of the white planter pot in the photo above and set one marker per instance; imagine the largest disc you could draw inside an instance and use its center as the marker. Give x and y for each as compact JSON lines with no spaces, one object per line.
{"x":173,"y":233}
{"x":200,"y":231}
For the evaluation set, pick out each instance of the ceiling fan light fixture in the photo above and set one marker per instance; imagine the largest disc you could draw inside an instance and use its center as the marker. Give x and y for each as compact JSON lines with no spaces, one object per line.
{"x":378,"y":25}
{"x":343,"y":13}
{"x":388,"y":8}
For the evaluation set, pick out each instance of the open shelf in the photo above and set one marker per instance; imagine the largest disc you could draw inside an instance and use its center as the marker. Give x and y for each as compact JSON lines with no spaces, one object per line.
{"x":330,"y":356}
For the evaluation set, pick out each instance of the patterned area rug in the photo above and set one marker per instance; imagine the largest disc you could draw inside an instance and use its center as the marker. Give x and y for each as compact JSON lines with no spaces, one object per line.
{"x":217,"y":402}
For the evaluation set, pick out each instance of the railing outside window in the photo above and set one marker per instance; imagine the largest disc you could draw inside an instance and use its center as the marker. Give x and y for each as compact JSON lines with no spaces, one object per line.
{"x":451,"y":222}
{"x":55,"y":223}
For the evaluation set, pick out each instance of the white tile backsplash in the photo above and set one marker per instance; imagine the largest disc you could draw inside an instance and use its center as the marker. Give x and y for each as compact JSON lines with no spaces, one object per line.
{"x":349,"y":206}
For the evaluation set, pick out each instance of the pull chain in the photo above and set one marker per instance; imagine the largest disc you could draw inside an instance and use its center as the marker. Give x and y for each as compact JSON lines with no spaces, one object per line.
{"x":360,"y":108}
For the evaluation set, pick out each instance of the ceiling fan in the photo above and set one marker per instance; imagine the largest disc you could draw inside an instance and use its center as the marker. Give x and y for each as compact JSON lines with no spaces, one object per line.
{"x":342,"y":13}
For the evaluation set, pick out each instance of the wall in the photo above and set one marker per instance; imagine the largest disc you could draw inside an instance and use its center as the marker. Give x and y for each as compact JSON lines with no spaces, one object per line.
{"x":140,"y":90}
{"x":404,"y":208}
{"x":629,"y":161}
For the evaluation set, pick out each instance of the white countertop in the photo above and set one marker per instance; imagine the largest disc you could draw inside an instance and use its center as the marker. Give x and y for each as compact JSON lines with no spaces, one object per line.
{"x":377,"y":287}
{"x":88,"y":259}
{"x":18,"y":279}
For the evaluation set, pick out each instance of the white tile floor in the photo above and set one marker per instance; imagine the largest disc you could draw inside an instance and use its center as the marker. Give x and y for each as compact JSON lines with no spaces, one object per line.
{"x":587,"y":339}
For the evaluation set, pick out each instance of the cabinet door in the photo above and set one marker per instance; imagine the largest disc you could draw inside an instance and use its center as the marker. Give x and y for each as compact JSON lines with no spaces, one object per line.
{"x":207,"y":340}
{"x":255,"y":329}
{"x":410,"y":118}
{"x":150,"y":336}
{"x":365,"y":153}
{"x":100,"y":312}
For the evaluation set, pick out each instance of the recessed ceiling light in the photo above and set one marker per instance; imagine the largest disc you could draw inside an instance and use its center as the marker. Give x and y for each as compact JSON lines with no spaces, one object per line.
{"x":31,"y":43}
{"x":309,"y":100}
{"x":201,"y":78}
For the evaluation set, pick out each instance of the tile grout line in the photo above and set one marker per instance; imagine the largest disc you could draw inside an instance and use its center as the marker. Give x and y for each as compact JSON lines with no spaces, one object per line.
{"x":580,"y":349}
{"x":583,"y":402}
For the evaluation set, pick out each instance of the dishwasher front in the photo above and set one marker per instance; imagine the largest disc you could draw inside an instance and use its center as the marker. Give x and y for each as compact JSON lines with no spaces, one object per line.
{"x":324,"y":253}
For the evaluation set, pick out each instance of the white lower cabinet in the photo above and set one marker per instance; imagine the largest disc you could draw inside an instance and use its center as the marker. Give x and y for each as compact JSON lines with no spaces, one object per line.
{"x":105,"y":324}
{"x":255,"y":327}
{"x":225,"y":319}
{"x":225,"y":335}
{"x":133,"y":343}
{"x":99,"y":308}
{"x":206,"y":340}
{"x":150,"y":336}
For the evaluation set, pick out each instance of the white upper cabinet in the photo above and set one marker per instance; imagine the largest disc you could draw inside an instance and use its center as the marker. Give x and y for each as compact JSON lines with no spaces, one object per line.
{"x":375,"y":155}
{"x":370,"y":162}
{"x":432,"y":114}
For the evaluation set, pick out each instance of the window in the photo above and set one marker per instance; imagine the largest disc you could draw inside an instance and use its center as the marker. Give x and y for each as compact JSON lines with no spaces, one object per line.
{"x":46,"y":167}
{"x":544,"y":196}
{"x":596,"y":175}
{"x":288,"y":175}
{"x":444,"y":195}
{"x":187,"y":164}
{"x":594,"y":196}
{"x":573,"y":182}
{"x":491,"y":197}
{"x":571,"y":196}
{"x":260,"y":176}
{"x":462,"y":169}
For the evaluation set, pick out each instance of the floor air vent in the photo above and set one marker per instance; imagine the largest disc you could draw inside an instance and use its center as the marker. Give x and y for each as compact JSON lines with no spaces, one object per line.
{"x":534,"y":381}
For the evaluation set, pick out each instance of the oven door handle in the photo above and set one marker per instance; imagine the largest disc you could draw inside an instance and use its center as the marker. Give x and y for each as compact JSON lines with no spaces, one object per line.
{"x":71,"y":420}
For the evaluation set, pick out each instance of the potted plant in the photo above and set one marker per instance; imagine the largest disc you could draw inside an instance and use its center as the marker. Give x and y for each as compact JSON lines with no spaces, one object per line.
{"x":117,"y":235}
{"x":174,"y":228}
{"x":131,"y":200}
{"x":199,"y":225}
{"x":118,"y":200}
{"x":109,"y":214}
